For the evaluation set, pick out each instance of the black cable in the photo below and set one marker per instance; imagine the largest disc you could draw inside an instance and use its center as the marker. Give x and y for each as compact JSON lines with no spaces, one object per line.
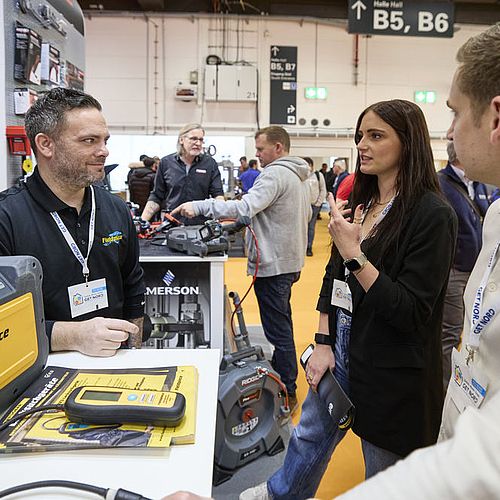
{"x":119,"y":494}
{"x":55,"y":483}
{"x":19,"y":416}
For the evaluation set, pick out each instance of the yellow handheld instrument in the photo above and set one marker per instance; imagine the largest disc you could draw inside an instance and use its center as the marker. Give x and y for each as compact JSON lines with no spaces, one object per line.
{"x":116,"y":405}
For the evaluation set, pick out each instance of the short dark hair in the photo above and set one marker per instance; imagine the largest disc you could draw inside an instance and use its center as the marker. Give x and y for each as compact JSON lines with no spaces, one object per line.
{"x":478,"y":75}
{"x":47,"y":114}
{"x":275,"y":134}
{"x":308,"y":160}
{"x":243,"y":158}
{"x":148,"y":161}
{"x":251,"y":163}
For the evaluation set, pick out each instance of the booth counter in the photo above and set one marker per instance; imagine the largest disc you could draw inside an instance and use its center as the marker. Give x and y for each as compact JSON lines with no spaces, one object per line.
{"x":184,"y":297}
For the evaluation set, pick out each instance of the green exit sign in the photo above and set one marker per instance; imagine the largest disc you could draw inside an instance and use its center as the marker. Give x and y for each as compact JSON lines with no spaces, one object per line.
{"x":425,"y":97}
{"x":316,"y":93}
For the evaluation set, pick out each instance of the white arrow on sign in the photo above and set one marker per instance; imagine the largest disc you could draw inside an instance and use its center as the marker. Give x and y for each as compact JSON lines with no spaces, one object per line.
{"x":275,"y":51}
{"x":290,"y":109}
{"x":359,"y":6}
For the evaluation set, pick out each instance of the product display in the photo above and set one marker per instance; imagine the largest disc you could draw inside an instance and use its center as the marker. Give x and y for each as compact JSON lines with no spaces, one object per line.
{"x":23,"y":99}
{"x":51,"y":64}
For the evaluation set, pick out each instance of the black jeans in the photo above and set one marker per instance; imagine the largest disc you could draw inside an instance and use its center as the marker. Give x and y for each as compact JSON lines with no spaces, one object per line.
{"x":273,"y":296}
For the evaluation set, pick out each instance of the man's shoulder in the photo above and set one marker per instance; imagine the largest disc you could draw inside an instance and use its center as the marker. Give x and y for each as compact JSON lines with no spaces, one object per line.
{"x":167,"y":160}
{"x":104,"y":197}
{"x":206,"y":159}
{"x":13,"y":196}
{"x":435,"y":203}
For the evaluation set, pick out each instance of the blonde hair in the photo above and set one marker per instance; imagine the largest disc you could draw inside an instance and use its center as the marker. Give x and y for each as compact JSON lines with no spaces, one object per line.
{"x":185,"y":130}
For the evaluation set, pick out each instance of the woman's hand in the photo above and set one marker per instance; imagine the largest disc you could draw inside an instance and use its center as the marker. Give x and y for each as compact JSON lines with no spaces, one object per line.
{"x":346,"y":235}
{"x":320,"y":360}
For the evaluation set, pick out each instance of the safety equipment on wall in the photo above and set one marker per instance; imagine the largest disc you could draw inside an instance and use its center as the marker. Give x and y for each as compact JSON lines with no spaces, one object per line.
{"x":18,"y":140}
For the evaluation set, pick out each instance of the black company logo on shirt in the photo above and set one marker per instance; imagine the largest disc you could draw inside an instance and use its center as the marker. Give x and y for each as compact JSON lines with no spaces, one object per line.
{"x":114,"y":237}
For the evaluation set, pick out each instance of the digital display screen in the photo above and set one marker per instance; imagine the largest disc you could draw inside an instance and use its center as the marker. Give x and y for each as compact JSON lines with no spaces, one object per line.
{"x":101,"y":396}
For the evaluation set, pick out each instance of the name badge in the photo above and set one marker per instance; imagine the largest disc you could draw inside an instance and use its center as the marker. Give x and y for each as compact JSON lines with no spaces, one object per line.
{"x":341,"y":295}
{"x":200,"y":171}
{"x":88,"y":297}
{"x":467,"y":386}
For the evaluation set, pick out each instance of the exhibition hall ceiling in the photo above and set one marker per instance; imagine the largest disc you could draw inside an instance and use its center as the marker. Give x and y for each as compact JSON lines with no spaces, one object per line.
{"x":466,"y":11}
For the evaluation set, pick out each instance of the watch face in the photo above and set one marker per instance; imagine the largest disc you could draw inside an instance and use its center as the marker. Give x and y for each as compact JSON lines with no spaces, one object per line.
{"x":352,"y":265}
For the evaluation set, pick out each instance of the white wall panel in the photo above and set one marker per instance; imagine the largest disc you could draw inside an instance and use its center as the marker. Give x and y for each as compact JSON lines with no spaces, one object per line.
{"x":134,"y":64}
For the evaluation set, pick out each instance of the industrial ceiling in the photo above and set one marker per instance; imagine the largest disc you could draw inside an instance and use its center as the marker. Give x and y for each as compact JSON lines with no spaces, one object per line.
{"x":466,"y":11}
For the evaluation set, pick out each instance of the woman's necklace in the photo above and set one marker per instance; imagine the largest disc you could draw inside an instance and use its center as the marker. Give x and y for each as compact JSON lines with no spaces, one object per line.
{"x":376,"y":213}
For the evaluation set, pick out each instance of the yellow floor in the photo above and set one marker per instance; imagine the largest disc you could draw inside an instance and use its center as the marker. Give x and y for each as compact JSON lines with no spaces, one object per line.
{"x":346,"y":468}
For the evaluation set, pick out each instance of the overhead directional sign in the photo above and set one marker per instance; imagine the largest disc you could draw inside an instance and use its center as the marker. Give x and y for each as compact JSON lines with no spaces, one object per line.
{"x":401,"y":17}
{"x":283,"y":76}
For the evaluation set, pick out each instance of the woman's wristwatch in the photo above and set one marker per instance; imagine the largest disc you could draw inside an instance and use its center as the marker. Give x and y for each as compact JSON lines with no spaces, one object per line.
{"x":322,"y":339}
{"x":356,"y":264}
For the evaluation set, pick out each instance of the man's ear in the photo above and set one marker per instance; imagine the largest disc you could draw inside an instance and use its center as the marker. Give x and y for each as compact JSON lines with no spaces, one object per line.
{"x":495,"y":120}
{"x":44,"y":145}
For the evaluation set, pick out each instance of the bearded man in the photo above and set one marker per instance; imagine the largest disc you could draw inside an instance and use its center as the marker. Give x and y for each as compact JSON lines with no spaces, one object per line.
{"x":93,"y":290}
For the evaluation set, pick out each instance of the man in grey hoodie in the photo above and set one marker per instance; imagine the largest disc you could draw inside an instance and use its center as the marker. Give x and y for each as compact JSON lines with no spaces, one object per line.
{"x":279,"y":207}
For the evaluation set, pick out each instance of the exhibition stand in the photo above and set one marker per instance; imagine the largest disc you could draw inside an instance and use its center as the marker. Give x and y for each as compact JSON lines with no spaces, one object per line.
{"x":184,"y":297}
{"x":152,"y":473}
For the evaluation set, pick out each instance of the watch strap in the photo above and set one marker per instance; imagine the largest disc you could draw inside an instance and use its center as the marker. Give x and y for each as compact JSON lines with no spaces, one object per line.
{"x":322,"y":339}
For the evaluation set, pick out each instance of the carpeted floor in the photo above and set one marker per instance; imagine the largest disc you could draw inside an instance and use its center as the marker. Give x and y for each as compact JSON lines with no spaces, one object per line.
{"x":346,"y":467}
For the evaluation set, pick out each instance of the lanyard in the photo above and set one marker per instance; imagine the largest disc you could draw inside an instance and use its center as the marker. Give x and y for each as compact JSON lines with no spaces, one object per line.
{"x":71,"y":242}
{"x":384,"y":212}
{"x":480,"y":320}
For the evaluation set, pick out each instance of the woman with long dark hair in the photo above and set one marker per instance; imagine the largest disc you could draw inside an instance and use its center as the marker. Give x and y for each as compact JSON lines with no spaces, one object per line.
{"x":380,"y":306}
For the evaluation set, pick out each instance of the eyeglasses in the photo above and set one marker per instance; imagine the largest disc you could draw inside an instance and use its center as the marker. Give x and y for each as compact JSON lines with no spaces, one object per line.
{"x":196,"y":139}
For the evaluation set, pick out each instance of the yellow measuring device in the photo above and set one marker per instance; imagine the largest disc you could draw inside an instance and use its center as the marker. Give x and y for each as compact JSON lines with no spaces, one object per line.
{"x":116,"y":405}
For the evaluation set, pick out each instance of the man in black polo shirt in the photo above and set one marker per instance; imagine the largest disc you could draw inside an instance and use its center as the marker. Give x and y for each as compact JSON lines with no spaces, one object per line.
{"x":82,"y":235}
{"x":186,"y":175}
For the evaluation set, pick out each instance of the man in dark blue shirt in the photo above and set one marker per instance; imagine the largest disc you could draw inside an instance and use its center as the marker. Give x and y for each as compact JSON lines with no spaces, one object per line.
{"x":247,"y":178}
{"x":93,"y":290}
{"x":470,"y":201}
{"x":189,"y":174}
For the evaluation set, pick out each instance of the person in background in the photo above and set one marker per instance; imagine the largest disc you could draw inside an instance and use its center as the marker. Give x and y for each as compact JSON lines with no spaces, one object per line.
{"x":469,"y":199}
{"x":329,"y":176}
{"x":243,"y":165}
{"x":140,"y":180}
{"x":340,"y":170}
{"x":317,"y":188}
{"x":345,"y":188}
{"x":247,"y":178}
{"x":188,"y":174}
{"x":279,"y":208}
{"x":380,"y":307}
{"x":83,"y":236}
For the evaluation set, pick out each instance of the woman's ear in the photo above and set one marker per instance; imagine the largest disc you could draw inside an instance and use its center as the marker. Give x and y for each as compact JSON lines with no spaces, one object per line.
{"x":495,"y":120}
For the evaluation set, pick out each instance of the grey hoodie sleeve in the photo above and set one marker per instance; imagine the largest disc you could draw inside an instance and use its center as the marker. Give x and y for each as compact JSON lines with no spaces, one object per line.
{"x":262,"y":195}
